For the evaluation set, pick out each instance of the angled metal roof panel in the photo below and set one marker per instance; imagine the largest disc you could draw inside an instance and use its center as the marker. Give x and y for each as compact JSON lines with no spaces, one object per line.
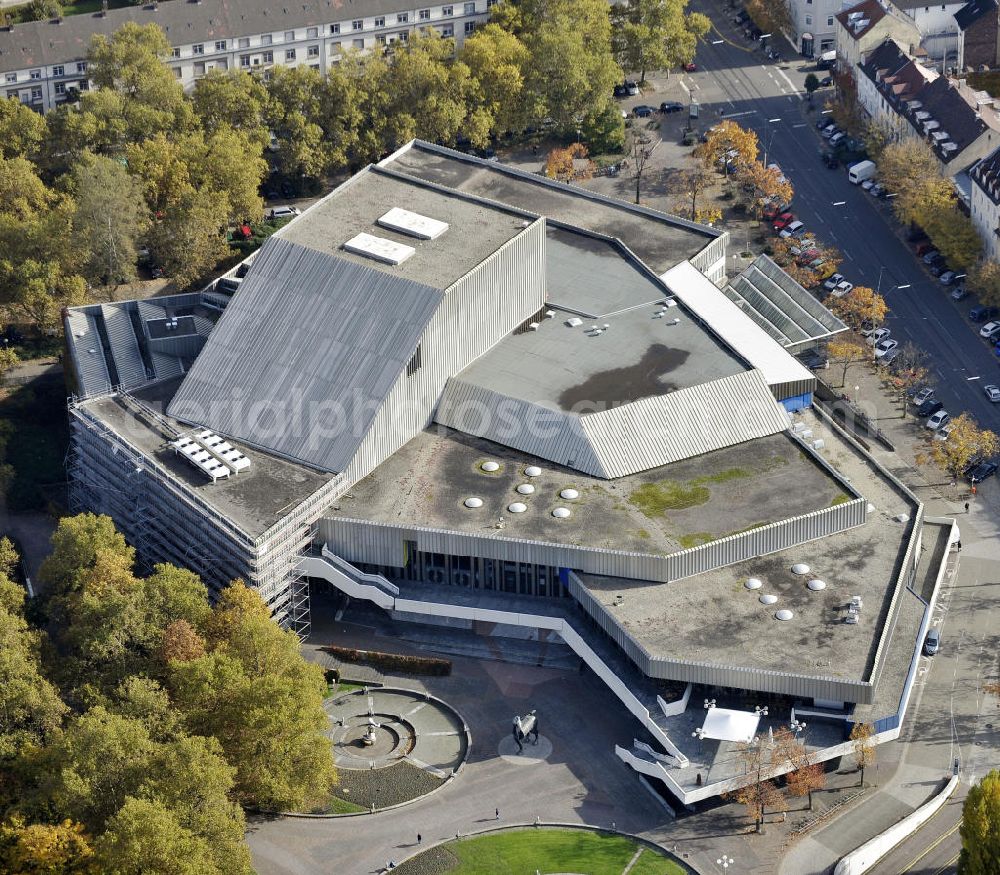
{"x":88,"y":356}
{"x":303,"y":357}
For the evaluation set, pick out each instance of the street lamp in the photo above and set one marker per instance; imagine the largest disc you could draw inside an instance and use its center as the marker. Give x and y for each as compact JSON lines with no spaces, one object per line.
{"x":761,"y":711}
{"x":770,"y":137}
{"x":725,"y":862}
{"x":709,"y":703}
{"x":797,"y":726}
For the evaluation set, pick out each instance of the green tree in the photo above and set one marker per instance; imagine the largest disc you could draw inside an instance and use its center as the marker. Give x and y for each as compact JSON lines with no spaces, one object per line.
{"x":572,"y":72}
{"x":863,"y":742}
{"x":984,"y":279}
{"x":860,"y":305}
{"x":233,"y":100}
{"x":53,"y":849}
{"x":111,"y":216}
{"x":497,"y":60}
{"x":650,"y":35}
{"x":190,"y":241}
{"x":8,"y":361}
{"x":132,"y":65}
{"x":227,"y":164}
{"x":255,"y":693}
{"x":41,"y":10}
{"x":77,"y":543}
{"x":967,"y":441}
{"x":979,"y":830}
{"x":22,"y":130}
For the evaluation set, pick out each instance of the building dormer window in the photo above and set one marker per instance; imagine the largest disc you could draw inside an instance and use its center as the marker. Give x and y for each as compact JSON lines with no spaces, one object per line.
{"x":198,"y":49}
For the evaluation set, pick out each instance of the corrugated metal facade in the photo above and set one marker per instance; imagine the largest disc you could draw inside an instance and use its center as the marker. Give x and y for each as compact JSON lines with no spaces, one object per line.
{"x":477,"y":312}
{"x":623,"y":440}
{"x":361,"y":541}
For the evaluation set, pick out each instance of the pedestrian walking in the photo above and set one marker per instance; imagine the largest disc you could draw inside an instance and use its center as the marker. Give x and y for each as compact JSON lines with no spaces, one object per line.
{"x":958,"y":545}
{"x":420,"y":838}
{"x":966,"y":507}
{"x":498,"y":814}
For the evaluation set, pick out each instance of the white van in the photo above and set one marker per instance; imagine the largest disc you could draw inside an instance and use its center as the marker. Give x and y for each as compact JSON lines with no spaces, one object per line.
{"x":283,"y":212}
{"x":861,"y":171}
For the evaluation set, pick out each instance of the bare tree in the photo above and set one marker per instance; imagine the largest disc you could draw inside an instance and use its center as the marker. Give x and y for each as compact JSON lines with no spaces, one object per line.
{"x":863,"y":737}
{"x":642,"y":151}
{"x":761,"y":794}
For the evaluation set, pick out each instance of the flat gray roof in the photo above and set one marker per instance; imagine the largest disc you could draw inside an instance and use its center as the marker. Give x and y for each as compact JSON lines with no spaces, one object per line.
{"x":575,"y":369}
{"x":476,"y":229}
{"x":253,"y":500}
{"x":659,"y":512}
{"x":660,"y":240}
{"x":713,"y":618}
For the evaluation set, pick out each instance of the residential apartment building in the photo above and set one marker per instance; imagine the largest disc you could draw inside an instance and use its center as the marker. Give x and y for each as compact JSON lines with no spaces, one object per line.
{"x":908,"y":99}
{"x":938,"y":29}
{"x":865,"y":26}
{"x":979,"y":34}
{"x":44,"y":64}
{"x":985,"y":203}
{"x":814,"y":24}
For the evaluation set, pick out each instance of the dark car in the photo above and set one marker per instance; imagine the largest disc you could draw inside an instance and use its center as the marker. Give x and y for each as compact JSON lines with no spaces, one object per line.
{"x":929,"y":408}
{"x":621,"y":91}
{"x":980,"y":313}
{"x":826,"y":81}
{"x":643,"y":111}
{"x":830,"y":160}
{"x":671,"y":106}
{"x":813,"y":360}
{"x":689,"y":67}
{"x":931,"y":256}
{"x":982,"y":471}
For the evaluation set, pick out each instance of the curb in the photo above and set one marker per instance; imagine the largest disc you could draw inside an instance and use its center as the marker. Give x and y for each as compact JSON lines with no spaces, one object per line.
{"x":648,"y":843}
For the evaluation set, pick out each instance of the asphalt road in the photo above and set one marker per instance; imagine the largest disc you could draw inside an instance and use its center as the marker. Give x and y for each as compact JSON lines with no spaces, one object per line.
{"x":740,"y":81}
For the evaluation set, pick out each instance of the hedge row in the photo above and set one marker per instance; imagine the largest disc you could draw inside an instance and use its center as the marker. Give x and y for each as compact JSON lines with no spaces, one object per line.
{"x":396,"y":662}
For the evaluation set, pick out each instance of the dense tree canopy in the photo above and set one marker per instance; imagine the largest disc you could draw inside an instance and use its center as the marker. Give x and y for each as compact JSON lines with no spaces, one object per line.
{"x":656,"y":34}
{"x":980,"y":828}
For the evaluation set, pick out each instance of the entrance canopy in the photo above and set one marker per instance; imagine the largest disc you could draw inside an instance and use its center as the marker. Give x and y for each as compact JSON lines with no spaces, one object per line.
{"x":724,"y":724}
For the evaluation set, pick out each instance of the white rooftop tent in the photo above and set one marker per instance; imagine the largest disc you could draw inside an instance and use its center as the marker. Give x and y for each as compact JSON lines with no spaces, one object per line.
{"x":724,"y":724}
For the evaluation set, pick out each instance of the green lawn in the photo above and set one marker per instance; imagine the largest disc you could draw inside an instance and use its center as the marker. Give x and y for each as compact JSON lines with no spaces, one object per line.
{"x":522,"y":852}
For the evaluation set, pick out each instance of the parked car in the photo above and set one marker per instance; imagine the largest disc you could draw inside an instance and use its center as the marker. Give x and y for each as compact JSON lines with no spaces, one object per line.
{"x":883,"y":346}
{"x":783,"y":221}
{"x":642,"y":111}
{"x":877,"y":335}
{"x":943,"y":433}
{"x":669,"y":106}
{"x":924,"y":247}
{"x":793,"y":229}
{"x":826,"y":82}
{"x":772,"y":210}
{"x":829,"y":131}
{"x":929,"y":408}
{"x":990,"y":330}
{"x":841,"y":289}
{"x":837,"y":137}
{"x":959,"y":293}
{"x":813,"y":359}
{"x":936,"y":420}
{"x":825,"y":123}
{"x":939,"y":267}
{"x":923,"y":395}
{"x":868,"y":184}
{"x":831,"y":283}
{"x":992,"y":392}
{"x":283,"y":212}
{"x":877,"y":190}
{"x":890,"y":356}
{"x":931,"y":255}
{"x":947,"y":278}
{"x":980,"y":313}
{"x":830,"y":160}
{"x":932,"y":643}
{"x":982,"y":471}
{"x":689,"y":67}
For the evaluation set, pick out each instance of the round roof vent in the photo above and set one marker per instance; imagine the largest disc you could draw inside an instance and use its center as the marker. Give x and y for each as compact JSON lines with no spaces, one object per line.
{"x":783,"y":614}
{"x":560,"y":513}
{"x":533,"y":471}
{"x":490,"y":466}
{"x":816,"y":585}
{"x":473,"y":502}
{"x":525,"y":489}
{"x":753,"y":583}
{"x":800,"y":568}
{"x":569,"y":494}
{"x":768,"y":598}
{"x":517,"y":507}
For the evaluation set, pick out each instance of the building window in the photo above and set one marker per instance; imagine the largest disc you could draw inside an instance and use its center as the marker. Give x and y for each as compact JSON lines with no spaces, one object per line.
{"x":312,"y":32}
{"x":380,"y":39}
{"x":313,"y":51}
{"x":174,"y":53}
{"x":809,"y":20}
{"x":402,"y":18}
{"x":244,"y":60}
{"x":289,"y":54}
{"x":199,"y":68}
{"x":380,"y":21}
{"x":11,"y":77}
{"x":35,"y":74}
{"x":447,"y":11}
{"x":470,"y":26}
{"x":414,"y":363}
{"x":358,"y":43}
{"x":424,"y":15}
{"x":829,"y":21}
{"x":470,"y":8}
{"x":198,"y":49}
{"x":448,"y":30}
{"x":81,"y":66}
{"x":289,"y":36}
{"x":491,"y":3}
{"x":314,"y":66}
{"x":334,"y":28}
{"x":220,"y":45}
{"x":268,"y":57}
{"x":60,"y":88}
{"x":36,"y":93}
{"x":244,"y":42}
{"x":403,"y":37}
{"x":266,"y":39}
{"x":357,"y":24}
{"x":58,"y":70}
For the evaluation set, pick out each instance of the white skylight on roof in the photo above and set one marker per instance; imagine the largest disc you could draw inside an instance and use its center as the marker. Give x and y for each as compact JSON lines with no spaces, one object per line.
{"x":406,"y":222}
{"x":379,"y":248}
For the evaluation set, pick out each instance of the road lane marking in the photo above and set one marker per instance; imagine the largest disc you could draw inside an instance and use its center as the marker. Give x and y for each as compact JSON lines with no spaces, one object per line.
{"x":909,"y":866}
{"x":949,"y":864}
{"x":686,"y":89}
